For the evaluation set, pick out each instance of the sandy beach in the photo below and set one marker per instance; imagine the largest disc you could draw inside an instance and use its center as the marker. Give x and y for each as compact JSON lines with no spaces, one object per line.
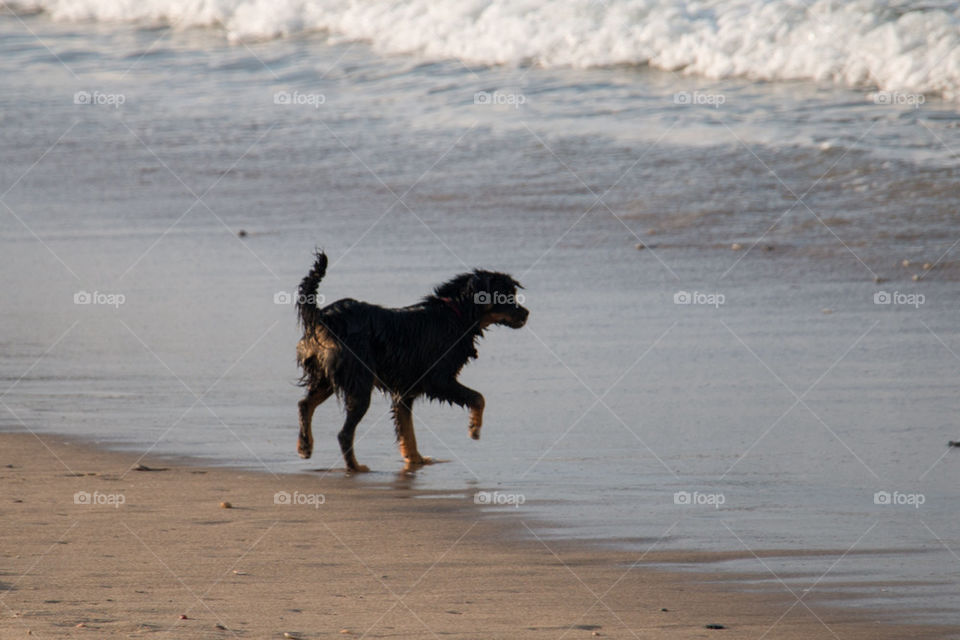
{"x":104,"y":544}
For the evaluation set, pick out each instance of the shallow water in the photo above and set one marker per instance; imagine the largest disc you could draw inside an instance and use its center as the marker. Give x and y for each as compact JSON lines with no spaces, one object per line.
{"x":790,"y":404}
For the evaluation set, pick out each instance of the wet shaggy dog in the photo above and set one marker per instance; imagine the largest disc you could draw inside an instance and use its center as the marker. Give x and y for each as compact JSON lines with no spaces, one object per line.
{"x":350,"y":347}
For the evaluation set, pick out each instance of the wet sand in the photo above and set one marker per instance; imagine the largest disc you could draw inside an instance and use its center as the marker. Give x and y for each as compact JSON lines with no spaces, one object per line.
{"x":94,"y":546}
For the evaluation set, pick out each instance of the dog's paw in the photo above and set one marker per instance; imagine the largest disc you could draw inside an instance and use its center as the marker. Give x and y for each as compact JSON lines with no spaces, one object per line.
{"x":418,"y":461}
{"x":475,"y":433}
{"x":360,"y":468}
{"x":304,"y":453}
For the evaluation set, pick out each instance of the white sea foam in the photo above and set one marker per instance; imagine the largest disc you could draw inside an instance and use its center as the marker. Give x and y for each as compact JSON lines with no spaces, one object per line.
{"x":894,"y":45}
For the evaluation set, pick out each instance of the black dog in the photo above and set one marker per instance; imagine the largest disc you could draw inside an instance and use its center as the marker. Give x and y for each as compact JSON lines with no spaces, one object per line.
{"x":350,"y":347}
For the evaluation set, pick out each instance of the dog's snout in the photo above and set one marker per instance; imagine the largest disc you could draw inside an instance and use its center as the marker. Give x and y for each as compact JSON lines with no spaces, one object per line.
{"x":521,"y":316}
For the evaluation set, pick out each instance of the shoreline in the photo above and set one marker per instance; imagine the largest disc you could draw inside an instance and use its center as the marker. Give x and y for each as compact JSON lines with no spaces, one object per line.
{"x":341,"y":558}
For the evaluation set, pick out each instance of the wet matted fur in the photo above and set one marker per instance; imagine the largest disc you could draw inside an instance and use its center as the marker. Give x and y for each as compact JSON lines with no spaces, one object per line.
{"x":350,"y":347}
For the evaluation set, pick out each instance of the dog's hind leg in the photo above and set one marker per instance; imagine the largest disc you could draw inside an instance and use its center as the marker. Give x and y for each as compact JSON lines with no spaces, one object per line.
{"x":406,"y":438}
{"x":357,"y":404}
{"x":316,"y":395}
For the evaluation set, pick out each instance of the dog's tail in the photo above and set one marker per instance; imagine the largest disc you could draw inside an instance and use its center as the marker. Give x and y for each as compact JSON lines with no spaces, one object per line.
{"x":307,"y":298}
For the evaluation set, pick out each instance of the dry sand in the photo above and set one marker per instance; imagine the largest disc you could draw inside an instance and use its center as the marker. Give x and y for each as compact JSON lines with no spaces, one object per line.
{"x":371,"y":561}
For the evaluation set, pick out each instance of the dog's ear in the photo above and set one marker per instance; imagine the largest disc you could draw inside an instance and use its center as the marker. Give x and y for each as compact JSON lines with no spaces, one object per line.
{"x":454,"y":288}
{"x":476,"y":290}
{"x":510,"y":282}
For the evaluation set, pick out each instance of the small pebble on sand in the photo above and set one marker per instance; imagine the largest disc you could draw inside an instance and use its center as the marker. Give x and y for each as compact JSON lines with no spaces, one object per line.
{"x":827,"y":311}
{"x":292,"y":636}
{"x":640,"y":245}
{"x":916,"y":277}
{"x":736,"y":246}
{"x":183,"y":616}
{"x":879,"y":279}
{"x":905,"y":262}
{"x":927,"y":266}
{"x":714,"y":626}
{"x":80,"y":625}
{"x":143,"y":467}
{"x":242,"y":233}
{"x":226,"y":505}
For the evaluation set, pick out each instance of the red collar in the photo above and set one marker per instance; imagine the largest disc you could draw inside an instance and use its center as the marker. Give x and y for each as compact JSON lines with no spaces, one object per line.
{"x":449,"y":303}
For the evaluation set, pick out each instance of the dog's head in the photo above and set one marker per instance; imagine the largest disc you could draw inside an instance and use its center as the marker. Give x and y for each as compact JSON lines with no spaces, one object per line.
{"x":487,"y":297}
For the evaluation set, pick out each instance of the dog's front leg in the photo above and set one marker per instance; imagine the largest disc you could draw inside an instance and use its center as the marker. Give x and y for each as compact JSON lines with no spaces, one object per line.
{"x":465,"y":397}
{"x":476,"y":415}
{"x":406,"y":438}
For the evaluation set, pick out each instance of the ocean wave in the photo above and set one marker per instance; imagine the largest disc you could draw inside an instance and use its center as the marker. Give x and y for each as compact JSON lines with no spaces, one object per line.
{"x":892,"y":45}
